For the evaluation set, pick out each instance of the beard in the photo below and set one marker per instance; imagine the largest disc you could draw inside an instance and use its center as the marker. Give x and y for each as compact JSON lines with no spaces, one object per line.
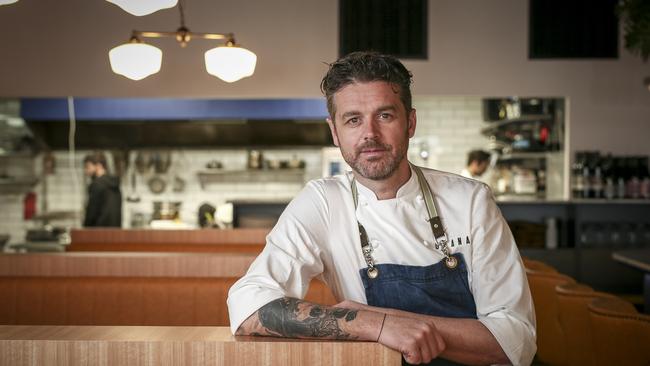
{"x":376,"y":168}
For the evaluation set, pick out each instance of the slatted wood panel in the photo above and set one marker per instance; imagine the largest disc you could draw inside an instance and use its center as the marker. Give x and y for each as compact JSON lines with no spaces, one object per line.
{"x":124,"y":288}
{"x":205,"y":240}
{"x":126,"y":264}
{"x":77,"y":345}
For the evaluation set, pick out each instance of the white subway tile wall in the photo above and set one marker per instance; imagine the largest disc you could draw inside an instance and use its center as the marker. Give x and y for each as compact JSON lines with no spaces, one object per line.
{"x":448,"y":127}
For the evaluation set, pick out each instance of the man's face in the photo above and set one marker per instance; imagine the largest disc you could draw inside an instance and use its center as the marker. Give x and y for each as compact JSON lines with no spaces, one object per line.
{"x":479,"y":168}
{"x":90,"y":169}
{"x":372,"y":128}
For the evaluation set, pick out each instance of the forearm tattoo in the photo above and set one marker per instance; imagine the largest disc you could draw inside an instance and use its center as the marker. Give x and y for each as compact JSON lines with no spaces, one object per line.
{"x":290,"y":317}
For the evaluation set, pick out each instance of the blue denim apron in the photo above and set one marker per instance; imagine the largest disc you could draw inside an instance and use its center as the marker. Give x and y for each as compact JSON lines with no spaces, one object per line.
{"x":436,"y":290}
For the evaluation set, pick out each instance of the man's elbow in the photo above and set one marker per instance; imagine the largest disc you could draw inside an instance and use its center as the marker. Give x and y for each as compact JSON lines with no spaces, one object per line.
{"x":248,"y":326}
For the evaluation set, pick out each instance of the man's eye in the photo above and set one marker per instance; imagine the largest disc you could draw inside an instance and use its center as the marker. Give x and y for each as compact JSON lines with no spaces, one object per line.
{"x":385,"y":115}
{"x":353,"y":120}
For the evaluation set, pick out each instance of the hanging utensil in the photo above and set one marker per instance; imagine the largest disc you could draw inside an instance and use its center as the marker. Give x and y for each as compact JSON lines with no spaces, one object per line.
{"x":178,"y":185}
{"x":133,"y":194}
{"x":157,"y":185}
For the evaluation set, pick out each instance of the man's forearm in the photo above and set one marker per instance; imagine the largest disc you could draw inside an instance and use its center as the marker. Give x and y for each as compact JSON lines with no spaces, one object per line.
{"x":468,"y":341}
{"x":295,"y":318}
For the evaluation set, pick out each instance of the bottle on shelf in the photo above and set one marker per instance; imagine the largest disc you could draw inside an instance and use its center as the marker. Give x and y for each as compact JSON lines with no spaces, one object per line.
{"x":620,"y":178}
{"x":632,"y":183}
{"x":576,"y":175}
{"x":608,"y":177}
{"x":597,"y":184}
{"x":644,"y":188}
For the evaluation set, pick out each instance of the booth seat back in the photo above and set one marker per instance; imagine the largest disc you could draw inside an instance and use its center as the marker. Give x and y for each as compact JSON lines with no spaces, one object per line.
{"x":122,"y":300}
{"x":535,"y":265}
{"x":573,"y":300}
{"x":551,"y":344}
{"x":621,"y":335}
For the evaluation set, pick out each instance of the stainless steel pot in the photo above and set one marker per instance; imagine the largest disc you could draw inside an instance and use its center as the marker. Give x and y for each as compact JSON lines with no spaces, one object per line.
{"x":164,"y":210}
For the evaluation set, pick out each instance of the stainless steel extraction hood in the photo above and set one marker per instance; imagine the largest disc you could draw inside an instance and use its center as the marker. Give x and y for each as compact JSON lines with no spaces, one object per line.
{"x":178,"y":123}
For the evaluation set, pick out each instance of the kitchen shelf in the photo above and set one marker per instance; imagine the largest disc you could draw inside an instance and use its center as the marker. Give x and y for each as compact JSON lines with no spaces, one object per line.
{"x":494,"y":126}
{"x":252,"y":176}
{"x":524,"y":155}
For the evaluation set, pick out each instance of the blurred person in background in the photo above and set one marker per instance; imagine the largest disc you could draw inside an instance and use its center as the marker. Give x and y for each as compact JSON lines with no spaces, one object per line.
{"x":478,"y":162}
{"x":104,"y":207}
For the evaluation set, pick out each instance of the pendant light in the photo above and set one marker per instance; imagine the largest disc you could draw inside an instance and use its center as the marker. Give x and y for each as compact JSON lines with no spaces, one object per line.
{"x":230,"y":63}
{"x":143,"y":7}
{"x":137,"y":60}
{"x":7,"y":2}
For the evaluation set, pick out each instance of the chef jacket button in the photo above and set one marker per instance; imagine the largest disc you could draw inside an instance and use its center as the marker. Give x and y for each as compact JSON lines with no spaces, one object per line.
{"x":419,"y":198}
{"x":374,"y":243}
{"x":426,"y":243}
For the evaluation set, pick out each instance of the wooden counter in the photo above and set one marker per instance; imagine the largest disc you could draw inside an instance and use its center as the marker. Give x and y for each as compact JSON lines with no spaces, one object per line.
{"x":108,"y":345}
{"x":147,"y":240}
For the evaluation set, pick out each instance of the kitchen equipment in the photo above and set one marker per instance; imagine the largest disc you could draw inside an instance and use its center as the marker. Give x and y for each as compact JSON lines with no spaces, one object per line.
{"x":133,"y":194}
{"x":161,"y":161}
{"x":255,"y":159}
{"x":46,"y":234}
{"x":4,"y":238}
{"x":178,"y":185}
{"x":206,"y":215}
{"x":524,"y":182}
{"x":157,"y":185}
{"x":165,"y":210}
{"x":120,"y":162}
{"x":213,"y":164}
{"x":142,"y":162}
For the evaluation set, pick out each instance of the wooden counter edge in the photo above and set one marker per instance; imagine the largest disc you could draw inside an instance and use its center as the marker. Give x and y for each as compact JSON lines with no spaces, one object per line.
{"x":108,"y":345}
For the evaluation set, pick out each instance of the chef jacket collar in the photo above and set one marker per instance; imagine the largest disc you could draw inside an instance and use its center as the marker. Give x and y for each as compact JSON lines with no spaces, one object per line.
{"x":408,"y":191}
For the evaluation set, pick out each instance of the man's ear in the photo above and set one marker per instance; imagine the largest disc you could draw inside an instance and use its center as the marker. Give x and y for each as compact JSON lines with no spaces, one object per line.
{"x":412,"y":121}
{"x":335,"y":137}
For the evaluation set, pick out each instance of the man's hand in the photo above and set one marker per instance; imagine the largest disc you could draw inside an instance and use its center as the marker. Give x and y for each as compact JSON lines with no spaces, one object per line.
{"x":418,"y":341}
{"x":462,"y":340}
{"x":416,"y":337}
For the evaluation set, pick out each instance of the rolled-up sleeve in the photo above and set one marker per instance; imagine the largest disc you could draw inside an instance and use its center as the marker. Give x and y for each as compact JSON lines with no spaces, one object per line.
{"x":500,"y":287}
{"x":289,"y":261}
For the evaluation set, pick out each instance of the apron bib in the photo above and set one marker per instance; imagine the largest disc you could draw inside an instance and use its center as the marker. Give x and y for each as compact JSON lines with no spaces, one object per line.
{"x":440,"y":289}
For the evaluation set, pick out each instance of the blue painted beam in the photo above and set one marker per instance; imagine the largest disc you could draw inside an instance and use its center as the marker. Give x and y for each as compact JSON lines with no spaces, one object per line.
{"x":114,"y":109}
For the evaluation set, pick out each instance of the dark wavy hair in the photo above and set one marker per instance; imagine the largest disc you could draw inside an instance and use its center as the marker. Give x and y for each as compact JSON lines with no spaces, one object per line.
{"x":365,"y":66}
{"x":96,"y":157}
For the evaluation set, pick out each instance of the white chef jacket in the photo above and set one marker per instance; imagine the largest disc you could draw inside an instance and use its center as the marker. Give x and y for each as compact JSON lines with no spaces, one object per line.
{"x":317,"y":235}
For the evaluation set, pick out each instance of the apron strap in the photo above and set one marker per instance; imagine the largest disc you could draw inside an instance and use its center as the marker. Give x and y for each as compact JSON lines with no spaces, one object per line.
{"x":434,"y":219}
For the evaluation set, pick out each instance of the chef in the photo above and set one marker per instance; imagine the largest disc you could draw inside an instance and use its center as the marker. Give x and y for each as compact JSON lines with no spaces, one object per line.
{"x":421,"y":260}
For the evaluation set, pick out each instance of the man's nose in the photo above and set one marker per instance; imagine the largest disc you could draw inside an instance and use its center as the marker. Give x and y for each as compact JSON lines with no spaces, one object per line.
{"x":371,"y":130}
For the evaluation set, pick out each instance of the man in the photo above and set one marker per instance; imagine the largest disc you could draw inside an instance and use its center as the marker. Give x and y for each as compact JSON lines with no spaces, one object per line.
{"x":104,"y":207}
{"x":461,"y":297}
{"x":477,"y":164}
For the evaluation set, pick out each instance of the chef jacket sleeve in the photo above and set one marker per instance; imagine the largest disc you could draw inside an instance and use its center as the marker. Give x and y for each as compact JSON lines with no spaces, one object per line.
{"x":290,"y":258}
{"x":500,"y":287}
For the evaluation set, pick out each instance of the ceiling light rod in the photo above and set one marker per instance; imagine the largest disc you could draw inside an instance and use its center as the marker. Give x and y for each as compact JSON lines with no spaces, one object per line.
{"x":183,"y":35}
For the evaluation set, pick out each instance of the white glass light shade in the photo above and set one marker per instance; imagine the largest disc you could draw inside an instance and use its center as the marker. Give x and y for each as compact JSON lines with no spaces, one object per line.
{"x":7,"y":2}
{"x":143,"y":7}
{"x":135,"y":60}
{"x":230,"y":63}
